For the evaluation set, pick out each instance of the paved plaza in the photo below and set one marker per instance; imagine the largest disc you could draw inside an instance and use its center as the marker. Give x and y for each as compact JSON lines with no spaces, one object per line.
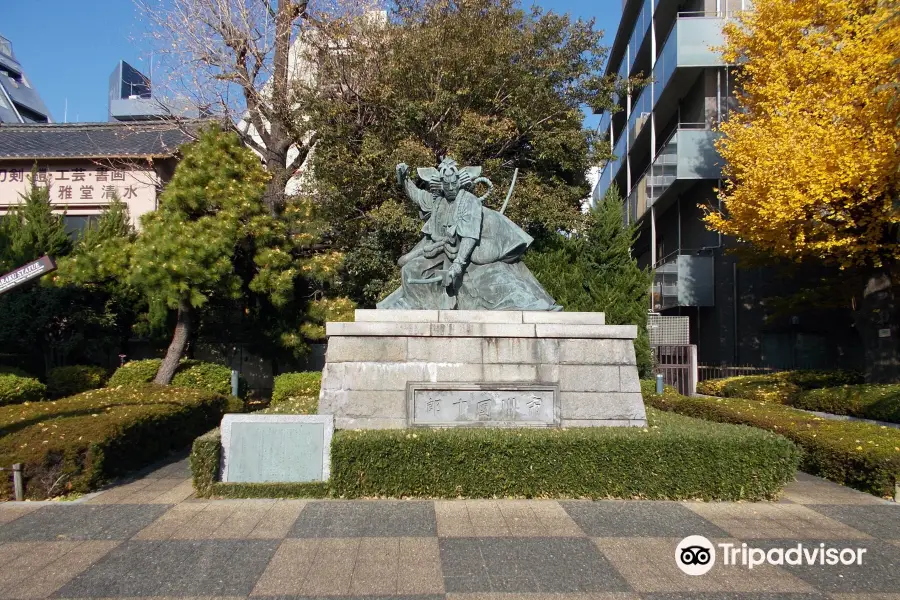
{"x":152,"y":538}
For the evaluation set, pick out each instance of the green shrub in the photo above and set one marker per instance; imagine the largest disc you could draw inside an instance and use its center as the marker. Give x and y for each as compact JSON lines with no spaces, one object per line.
{"x":673,"y":458}
{"x":135,"y":372}
{"x":76,"y":443}
{"x":74,"y":379}
{"x":782,"y":387}
{"x":296,"y":393}
{"x":879,"y":402}
{"x":15,"y":390}
{"x":859,"y":455}
{"x":190,"y":374}
{"x":5,"y":370}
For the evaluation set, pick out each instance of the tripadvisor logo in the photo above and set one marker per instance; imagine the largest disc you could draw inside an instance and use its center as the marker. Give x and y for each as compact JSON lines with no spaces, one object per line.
{"x":696,"y":555}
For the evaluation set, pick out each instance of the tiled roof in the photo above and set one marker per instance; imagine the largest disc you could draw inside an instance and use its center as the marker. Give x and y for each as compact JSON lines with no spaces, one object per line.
{"x":94,"y":140}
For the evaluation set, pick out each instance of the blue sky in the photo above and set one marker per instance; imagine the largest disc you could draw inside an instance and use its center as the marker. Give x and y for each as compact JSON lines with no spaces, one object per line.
{"x":68,"y":51}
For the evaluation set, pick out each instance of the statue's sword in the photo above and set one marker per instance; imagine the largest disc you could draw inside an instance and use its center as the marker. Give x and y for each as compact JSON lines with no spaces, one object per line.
{"x":509,"y":193}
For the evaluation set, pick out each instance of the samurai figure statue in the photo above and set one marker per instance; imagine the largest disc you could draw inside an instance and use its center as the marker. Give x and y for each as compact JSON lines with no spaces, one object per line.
{"x":469,"y":257}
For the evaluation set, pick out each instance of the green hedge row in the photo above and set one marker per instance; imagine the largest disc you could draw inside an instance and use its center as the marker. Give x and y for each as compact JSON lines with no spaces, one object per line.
{"x":879,"y":402}
{"x":296,"y":393}
{"x":782,"y":387}
{"x":673,"y":458}
{"x":74,"y":379}
{"x":75,"y":444}
{"x":190,"y":374}
{"x":16,"y":390}
{"x":858,"y":455}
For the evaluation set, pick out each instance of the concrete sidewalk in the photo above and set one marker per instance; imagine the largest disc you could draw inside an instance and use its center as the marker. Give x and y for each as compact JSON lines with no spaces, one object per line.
{"x":151,"y":538}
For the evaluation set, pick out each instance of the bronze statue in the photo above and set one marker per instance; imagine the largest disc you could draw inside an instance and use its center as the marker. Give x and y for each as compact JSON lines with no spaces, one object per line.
{"x":469,"y":257}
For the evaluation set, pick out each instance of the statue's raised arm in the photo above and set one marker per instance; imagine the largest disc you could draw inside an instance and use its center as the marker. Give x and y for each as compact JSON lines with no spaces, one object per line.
{"x":423,"y":198}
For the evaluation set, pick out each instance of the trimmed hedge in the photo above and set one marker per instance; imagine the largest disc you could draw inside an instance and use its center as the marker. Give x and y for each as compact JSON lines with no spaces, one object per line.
{"x":879,"y":402}
{"x":135,"y":372}
{"x":296,"y":393}
{"x":75,"y":444}
{"x":673,"y":458}
{"x":190,"y":374}
{"x":859,"y":455}
{"x":782,"y":387}
{"x":74,"y":379}
{"x":15,"y":390}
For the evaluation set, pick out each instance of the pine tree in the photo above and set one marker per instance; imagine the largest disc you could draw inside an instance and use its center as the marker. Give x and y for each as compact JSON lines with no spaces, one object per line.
{"x":212,"y":238}
{"x":31,"y":230}
{"x":592,"y":270}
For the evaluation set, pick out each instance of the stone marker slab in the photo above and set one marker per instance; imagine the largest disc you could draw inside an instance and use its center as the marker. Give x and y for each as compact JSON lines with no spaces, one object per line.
{"x":482,"y":405}
{"x":276,"y":448}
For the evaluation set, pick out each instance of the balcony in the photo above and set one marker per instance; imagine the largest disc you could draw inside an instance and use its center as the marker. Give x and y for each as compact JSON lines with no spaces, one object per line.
{"x":684,"y":279}
{"x":611,"y":170}
{"x":605,"y":121}
{"x":639,"y":34}
{"x":640,"y":114}
{"x":689,"y":154}
{"x":691,"y":43}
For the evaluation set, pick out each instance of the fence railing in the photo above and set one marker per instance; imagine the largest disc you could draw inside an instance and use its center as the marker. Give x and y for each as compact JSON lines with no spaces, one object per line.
{"x":720,"y":371}
{"x":678,"y":366}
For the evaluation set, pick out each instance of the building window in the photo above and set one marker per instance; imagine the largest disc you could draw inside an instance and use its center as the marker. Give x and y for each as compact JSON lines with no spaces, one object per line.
{"x":77,"y":224}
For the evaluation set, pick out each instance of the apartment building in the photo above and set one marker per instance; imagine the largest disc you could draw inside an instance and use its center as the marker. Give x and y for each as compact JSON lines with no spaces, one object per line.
{"x":19,"y":102}
{"x":667,"y":169}
{"x":131,"y":98}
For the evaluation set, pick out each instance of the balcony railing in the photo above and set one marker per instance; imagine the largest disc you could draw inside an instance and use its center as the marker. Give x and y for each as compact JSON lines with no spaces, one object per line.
{"x":691,"y":43}
{"x":641,"y":27}
{"x":684,"y":278}
{"x":689,"y":153}
{"x":640,"y":114}
{"x":611,"y":170}
{"x":603,"y":126}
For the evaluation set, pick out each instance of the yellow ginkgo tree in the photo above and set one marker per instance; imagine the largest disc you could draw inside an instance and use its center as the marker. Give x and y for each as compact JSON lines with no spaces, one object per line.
{"x":813,"y":162}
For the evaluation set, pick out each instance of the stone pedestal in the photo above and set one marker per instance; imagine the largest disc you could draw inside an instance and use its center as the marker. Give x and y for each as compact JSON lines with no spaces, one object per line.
{"x":405,"y":368}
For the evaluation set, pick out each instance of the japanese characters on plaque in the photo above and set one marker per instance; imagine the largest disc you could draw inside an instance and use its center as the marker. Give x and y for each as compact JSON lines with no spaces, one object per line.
{"x":79,"y":183}
{"x":474,"y":405}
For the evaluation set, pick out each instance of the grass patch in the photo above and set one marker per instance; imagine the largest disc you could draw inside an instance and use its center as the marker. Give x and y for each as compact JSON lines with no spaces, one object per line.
{"x":673,"y":458}
{"x":859,"y":455}
{"x":75,"y":444}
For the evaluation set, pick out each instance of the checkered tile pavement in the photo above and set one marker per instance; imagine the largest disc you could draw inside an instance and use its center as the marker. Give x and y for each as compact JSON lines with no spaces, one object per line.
{"x":151,"y":539}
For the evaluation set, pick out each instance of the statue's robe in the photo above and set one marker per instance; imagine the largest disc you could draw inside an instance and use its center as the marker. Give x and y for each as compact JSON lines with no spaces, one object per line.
{"x":494,"y":279}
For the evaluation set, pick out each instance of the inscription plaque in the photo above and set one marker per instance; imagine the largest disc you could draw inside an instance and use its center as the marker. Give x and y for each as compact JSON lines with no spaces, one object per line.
{"x":482,"y":405}
{"x":276,"y":448}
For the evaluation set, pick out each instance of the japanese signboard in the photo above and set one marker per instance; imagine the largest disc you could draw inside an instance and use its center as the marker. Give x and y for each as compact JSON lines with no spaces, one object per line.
{"x":32,"y":270}
{"x":83,"y":188}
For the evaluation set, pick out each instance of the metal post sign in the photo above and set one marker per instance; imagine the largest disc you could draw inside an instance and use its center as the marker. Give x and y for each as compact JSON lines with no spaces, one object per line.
{"x":26,"y":273}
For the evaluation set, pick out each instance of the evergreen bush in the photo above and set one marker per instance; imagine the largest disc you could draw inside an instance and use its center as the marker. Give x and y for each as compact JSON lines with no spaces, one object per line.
{"x":858,"y":455}
{"x":593,"y":270}
{"x":74,"y":379}
{"x":15,"y":389}
{"x":783,"y":387}
{"x":190,"y":374}
{"x":673,"y":458}
{"x":879,"y":402}
{"x":296,"y":393}
{"x":100,"y":434}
